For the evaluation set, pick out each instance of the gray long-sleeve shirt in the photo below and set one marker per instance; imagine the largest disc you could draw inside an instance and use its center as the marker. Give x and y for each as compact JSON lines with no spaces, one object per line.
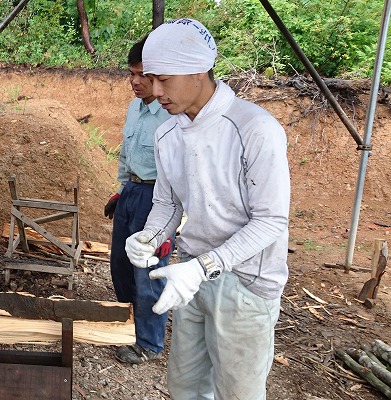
{"x":228,"y":170}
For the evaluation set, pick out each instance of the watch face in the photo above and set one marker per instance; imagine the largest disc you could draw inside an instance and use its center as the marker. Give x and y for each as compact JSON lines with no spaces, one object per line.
{"x":214,"y":274}
{"x":212,"y":271}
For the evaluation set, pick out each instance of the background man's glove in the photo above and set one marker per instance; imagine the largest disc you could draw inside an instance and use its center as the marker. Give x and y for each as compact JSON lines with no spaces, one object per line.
{"x":110,"y":206}
{"x":140,"y":249}
{"x":165,"y":249}
{"x":183,"y":282}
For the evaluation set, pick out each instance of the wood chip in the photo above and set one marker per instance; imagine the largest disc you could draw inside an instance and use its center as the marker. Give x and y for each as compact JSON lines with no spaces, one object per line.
{"x":315,"y":313}
{"x":319,"y":300}
{"x":281,"y":360}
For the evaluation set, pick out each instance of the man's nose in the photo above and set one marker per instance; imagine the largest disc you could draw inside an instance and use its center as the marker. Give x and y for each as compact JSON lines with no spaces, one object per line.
{"x":157,"y":89}
{"x":135,"y":80}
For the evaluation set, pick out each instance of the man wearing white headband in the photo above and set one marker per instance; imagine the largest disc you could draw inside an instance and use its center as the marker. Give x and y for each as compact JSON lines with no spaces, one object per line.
{"x":223,"y":161}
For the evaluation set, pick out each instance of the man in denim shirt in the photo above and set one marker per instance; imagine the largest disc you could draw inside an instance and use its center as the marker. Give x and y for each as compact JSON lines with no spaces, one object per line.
{"x":130,"y":207}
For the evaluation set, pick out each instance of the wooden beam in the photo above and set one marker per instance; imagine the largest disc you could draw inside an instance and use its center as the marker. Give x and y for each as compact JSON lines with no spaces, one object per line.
{"x":45,"y":204}
{"x":24,"y":305}
{"x":52,"y":269}
{"x":53,"y":217}
{"x":342,"y":266}
{"x":34,"y":237}
{"x":20,"y":330}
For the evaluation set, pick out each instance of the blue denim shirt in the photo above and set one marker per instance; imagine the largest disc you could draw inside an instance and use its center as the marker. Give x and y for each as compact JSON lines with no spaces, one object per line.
{"x":137,"y":151}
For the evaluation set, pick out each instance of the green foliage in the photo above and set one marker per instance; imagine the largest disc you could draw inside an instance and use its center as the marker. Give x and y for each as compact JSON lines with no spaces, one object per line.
{"x":332,"y":33}
{"x":113,"y":153}
{"x":339,"y":37}
{"x":95,"y":137}
{"x":38,"y":37}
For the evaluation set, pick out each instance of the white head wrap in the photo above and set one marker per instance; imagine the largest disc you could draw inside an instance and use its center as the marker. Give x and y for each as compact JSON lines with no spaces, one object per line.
{"x":179,"y":47}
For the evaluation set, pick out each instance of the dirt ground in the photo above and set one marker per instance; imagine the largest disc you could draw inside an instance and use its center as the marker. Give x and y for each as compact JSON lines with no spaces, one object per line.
{"x":45,"y":146}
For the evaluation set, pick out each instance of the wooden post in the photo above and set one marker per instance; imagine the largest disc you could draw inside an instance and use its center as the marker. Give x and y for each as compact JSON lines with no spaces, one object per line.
{"x":379,"y":263}
{"x":22,"y":232}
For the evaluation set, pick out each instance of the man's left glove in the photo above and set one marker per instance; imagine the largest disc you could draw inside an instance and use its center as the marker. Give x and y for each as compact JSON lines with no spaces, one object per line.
{"x":183,"y":282}
{"x":165,"y":249}
{"x":140,"y":249}
{"x":110,"y":206}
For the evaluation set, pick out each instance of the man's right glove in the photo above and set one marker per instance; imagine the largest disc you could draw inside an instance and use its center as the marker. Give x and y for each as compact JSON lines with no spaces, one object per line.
{"x":183,"y":282}
{"x":140,"y":249}
{"x":110,"y":206}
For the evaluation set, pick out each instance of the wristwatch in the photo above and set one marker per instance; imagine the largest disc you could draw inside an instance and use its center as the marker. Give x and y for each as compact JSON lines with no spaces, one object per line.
{"x":211,"y":269}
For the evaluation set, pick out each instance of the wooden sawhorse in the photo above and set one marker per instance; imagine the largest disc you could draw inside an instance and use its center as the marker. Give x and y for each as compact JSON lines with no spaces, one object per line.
{"x":67,"y":210}
{"x":32,"y":375}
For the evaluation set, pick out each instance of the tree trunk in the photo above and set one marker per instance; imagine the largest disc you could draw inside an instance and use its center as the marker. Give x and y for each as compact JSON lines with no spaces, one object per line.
{"x":382,"y":350}
{"x":377,"y":369}
{"x":13,"y":14}
{"x":364,"y":373}
{"x":85,"y":33}
{"x":157,"y":13}
{"x":368,"y":351}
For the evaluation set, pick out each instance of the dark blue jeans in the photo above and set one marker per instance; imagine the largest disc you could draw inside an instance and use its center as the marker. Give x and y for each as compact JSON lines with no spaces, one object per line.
{"x":132,"y":284}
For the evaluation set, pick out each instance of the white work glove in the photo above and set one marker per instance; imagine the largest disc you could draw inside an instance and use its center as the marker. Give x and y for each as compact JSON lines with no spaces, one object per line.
{"x":183,"y":282}
{"x":140,"y":249}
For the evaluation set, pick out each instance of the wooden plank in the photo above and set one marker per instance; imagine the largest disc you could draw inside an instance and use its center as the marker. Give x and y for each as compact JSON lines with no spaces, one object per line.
{"x":35,"y":238}
{"x":12,"y":244}
{"x":342,"y":266}
{"x":53,"y":217}
{"x":45,"y":205}
{"x":20,"y":330}
{"x":32,"y":382}
{"x":88,"y":257}
{"x":51,"y":269}
{"x":30,"y":357}
{"x":24,"y":305}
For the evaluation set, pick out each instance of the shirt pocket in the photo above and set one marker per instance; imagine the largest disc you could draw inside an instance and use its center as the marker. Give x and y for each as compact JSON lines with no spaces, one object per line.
{"x":147,"y":149}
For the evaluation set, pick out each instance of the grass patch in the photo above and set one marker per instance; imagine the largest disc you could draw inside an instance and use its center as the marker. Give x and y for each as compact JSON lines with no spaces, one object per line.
{"x":113,"y":153}
{"x":95,"y":137}
{"x":311,"y":245}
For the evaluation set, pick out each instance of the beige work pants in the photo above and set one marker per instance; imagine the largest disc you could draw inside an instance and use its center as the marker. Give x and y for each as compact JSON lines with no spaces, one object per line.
{"x":222,"y":343}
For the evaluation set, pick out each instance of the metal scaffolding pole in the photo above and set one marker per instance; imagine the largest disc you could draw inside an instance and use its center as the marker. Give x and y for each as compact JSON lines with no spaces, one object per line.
{"x":363,"y":144}
{"x":312,"y":71}
{"x":368,"y":133}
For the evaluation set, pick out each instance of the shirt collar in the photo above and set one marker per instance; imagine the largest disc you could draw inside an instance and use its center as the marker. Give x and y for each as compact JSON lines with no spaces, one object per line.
{"x":153,"y":107}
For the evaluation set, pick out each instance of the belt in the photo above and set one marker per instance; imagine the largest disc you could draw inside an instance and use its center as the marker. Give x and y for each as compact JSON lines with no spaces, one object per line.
{"x":134,"y":178}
